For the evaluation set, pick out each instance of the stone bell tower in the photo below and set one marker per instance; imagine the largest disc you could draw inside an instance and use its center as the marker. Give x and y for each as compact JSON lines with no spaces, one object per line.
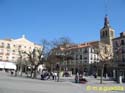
{"x":106,"y":33}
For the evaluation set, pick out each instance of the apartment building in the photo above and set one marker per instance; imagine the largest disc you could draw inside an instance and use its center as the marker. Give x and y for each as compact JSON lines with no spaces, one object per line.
{"x":119,"y":55}
{"x":77,"y":57}
{"x":9,"y":48}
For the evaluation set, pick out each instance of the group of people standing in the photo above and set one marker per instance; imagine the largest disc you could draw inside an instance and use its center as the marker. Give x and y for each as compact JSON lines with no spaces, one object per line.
{"x":45,"y":75}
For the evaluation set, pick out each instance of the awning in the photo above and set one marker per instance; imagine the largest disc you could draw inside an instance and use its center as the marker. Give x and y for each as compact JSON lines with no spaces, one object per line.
{"x":7,"y":65}
{"x":2,"y":65}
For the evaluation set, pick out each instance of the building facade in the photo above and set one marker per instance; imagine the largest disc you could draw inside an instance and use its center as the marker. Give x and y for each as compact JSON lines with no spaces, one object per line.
{"x":83,"y":55}
{"x":78,"y":57}
{"x":119,"y":55}
{"x":9,"y":48}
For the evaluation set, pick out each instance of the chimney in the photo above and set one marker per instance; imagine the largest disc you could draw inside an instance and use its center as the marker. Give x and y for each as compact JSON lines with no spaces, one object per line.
{"x":122,"y":34}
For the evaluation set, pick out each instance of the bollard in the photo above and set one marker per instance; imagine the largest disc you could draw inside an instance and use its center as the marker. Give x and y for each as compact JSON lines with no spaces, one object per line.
{"x":120,"y":79}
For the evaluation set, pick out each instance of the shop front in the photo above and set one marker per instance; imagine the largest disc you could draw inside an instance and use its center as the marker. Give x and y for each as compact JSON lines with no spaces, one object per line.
{"x":120,"y":73}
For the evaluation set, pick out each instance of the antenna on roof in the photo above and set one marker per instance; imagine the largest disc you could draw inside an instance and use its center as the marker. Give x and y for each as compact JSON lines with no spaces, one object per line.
{"x":106,"y":7}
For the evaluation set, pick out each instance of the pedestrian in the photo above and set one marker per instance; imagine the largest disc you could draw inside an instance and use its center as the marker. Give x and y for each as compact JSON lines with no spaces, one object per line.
{"x":95,"y":75}
{"x":54,"y":75}
{"x":11,"y":72}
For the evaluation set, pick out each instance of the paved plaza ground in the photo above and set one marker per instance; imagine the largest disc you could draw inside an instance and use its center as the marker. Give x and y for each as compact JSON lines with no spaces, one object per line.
{"x":11,"y":84}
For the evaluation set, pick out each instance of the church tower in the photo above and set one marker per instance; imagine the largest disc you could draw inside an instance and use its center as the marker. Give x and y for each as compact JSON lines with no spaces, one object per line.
{"x":106,"y":33}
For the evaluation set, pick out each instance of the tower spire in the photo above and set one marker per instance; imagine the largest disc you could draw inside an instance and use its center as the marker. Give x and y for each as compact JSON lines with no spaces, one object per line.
{"x":106,"y":21}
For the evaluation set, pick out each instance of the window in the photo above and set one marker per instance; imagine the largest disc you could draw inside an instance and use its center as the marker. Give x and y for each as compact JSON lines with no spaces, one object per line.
{"x":14,"y":45}
{"x":19,"y":46}
{"x":106,"y":34}
{"x":8,"y":45}
{"x":7,"y":58}
{"x":0,"y":57}
{"x":95,"y":57}
{"x":8,"y":51}
{"x":80,"y":57}
{"x":2,"y":45}
{"x":13,"y":58}
{"x":123,"y":50}
{"x":122,"y":42}
{"x":123,"y":58}
{"x":91,"y":58}
{"x":85,"y":51}
{"x":92,"y":50}
{"x":29,"y":47}
{"x":116,"y":43}
{"x":13,"y":52}
{"x":85,"y":57}
{"x":76,"y":57}
{"x":85,"y":61}
{"x":1,"y":50}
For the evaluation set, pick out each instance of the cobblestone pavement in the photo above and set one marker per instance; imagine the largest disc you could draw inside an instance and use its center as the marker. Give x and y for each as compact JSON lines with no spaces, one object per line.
{"x":11,"y":84}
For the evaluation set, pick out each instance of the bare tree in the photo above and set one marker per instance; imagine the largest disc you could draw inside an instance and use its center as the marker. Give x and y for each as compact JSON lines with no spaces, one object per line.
{"x":62,"y":41}
{"x":55,"y":47}
{"x":20,"y":63}
{"x":56,"y":54}
{"x":105,"y":55}
{"x":35,"y":58}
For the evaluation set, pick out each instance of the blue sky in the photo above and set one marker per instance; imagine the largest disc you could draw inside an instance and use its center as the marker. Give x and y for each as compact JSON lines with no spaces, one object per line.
{"x":80,"y":20}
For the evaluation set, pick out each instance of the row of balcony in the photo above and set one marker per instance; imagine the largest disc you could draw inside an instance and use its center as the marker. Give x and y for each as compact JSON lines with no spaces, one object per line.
{"x":8,"y":46}
{"x":7,"y":53}
{"x":4,"y":47}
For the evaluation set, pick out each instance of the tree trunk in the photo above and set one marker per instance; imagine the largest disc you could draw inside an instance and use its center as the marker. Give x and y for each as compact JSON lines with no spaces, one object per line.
{"x":102,"y":70}
{"x":31,"y":74}
{"x":21,"y":70}
{"x":51,"y":68}
{"x":58,"y":76}
{"x":35,"y":72}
